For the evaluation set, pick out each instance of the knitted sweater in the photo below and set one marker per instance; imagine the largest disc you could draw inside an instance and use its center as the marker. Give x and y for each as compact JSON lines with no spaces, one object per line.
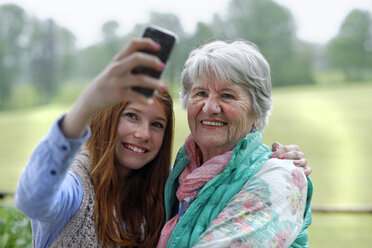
{"x":80,"y":231}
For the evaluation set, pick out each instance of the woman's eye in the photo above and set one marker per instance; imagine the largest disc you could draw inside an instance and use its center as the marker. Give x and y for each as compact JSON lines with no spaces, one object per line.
{"x":158,"y":125}
{"x":130,"y":115}
{"x":227,"y":96}
{"x":201,"y":93}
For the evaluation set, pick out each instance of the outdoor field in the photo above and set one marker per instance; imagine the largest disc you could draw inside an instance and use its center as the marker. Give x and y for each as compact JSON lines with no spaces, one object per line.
{"x":332,"y":126}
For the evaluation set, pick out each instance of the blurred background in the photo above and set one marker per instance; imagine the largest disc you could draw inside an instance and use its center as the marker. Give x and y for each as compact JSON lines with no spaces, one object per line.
{"x":320,"y":54}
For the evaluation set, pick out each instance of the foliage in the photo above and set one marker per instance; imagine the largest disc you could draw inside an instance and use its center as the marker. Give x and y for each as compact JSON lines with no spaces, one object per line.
{"x":12,"y":22}
{"x":351,"y":49}
{"x":44,"y":59}
{"x":33,"y":49}
{"x":51,"y":57}
{"x":15,"y":228}
{"x":111,"y":41}
{"x":274,"y":33}
{"x":43,"y":51}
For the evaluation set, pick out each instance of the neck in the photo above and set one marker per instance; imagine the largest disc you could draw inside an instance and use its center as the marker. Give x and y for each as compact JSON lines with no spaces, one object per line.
{"x":207,"y":154}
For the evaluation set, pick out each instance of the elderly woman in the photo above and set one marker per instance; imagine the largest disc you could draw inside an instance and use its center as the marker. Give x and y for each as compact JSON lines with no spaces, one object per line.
{"x":225,"y":190}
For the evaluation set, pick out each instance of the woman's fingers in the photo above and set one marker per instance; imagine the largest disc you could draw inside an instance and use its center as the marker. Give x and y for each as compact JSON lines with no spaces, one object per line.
{"x":120,"y":69}
{"x":302,"y":162}
{"x":114,"y":84}
{"x":308,"y":170}
{"x":276,"y":146}
{"x":136,"y":45}
{"x":141,"y":59}
{"x":291,"y":152}
{"x":125,"y":78}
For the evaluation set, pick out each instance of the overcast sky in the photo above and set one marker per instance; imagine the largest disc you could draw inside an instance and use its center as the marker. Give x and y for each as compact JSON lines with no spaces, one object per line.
{"x":317,"y":20}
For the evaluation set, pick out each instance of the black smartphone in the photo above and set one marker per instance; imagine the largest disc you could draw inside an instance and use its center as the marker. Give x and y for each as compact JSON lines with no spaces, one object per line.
{"x":166,"y":39}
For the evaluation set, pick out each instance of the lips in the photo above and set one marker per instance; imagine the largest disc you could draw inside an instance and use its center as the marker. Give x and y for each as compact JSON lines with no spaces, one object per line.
{"x":213,"y":123}
{"x":135,"y":148}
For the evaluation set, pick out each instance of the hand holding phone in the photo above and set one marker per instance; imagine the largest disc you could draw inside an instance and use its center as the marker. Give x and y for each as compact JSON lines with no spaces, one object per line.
{"x":166,"y":40}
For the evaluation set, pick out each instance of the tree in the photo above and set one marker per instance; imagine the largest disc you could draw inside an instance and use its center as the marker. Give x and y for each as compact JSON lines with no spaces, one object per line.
{"x":12,"y":23}
{"x":91,"y":60}
{"x":111,"y":40}
{"x":44,"y":59}
{"x":272,"y":28}
{"x":204,"y":33}
{"x":350,"y":50}
{"x":51,"y":54}
{"x":66,"y":53}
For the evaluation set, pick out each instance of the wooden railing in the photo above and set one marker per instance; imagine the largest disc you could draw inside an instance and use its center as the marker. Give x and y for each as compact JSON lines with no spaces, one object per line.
{"x":339,"y":209}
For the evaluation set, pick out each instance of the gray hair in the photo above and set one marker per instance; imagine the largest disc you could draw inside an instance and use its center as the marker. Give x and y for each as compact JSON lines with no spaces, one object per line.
{"x":239,"y":62}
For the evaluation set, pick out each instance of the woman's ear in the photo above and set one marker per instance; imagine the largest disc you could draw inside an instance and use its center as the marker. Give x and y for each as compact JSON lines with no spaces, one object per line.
{"x":256,"y":122}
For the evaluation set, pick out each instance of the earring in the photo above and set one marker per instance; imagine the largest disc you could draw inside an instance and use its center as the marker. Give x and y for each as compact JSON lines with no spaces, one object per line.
{"x":253,"y":129}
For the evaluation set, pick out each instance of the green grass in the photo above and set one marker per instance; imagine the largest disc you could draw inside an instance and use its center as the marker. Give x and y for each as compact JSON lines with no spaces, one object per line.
{"x":20,"y":132}
{"x":340,"y":230}
{"x":15,"y":229}
{"x":332,"y":126}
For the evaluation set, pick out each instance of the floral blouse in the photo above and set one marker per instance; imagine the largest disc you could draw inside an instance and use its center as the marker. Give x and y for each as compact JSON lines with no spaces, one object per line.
{"x":267,"y":212}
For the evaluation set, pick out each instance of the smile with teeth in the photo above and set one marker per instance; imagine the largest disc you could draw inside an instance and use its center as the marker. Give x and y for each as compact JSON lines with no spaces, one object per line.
{"x":213,"y":123}
{"x":134,"y":148}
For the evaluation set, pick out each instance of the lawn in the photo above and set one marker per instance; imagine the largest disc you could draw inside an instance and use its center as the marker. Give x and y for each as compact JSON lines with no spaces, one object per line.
{"x":332,"y":126}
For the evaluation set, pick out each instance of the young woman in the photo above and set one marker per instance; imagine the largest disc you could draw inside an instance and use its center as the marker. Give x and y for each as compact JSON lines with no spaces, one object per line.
{"x":113,"y":193}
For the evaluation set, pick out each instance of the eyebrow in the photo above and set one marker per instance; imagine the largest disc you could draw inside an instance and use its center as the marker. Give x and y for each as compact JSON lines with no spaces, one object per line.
{"x":197,"y":88}
{"x":228,"y":89}
{"x":158,"y":118}
{"x":161,"y":119}
{"x":223,"y":89}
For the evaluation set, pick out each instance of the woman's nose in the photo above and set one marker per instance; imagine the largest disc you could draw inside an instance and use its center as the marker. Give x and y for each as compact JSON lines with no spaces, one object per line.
{"x":143,"y":132}
{"x":211,"y":105}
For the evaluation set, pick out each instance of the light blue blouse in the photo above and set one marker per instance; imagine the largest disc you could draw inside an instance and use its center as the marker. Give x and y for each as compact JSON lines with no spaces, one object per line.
{"x":47,"y":192}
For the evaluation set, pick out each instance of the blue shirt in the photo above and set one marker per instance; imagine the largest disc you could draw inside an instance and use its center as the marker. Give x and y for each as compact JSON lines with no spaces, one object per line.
{"x":47,"y":192}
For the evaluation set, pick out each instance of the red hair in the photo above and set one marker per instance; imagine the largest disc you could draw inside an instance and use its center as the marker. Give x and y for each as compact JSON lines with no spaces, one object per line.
{"x":138,"y":200}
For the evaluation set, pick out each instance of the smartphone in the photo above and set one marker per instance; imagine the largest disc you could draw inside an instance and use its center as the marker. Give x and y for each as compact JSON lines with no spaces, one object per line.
{"x":166,"y":39}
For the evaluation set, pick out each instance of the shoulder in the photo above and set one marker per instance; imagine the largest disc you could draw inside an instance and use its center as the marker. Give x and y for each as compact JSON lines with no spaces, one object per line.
{"x":283,"y":188}
{"x":81,"y":168}
{"x":284,"y":172}
{"x":81,"y":164}
{"x":281,"y":179}
{"x":275,"y":169}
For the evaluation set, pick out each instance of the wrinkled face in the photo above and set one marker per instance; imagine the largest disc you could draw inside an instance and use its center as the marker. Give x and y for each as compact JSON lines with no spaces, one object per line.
{"x":220,"y":114}
{"x":140,"y":134}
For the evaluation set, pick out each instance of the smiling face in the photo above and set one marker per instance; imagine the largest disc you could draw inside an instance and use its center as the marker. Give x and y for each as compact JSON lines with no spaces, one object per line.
{"x":220,"y":114}
{"x":140,"y":135}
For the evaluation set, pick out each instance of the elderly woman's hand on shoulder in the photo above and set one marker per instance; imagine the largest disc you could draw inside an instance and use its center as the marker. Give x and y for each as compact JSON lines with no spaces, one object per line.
{"x":291,"y":152}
